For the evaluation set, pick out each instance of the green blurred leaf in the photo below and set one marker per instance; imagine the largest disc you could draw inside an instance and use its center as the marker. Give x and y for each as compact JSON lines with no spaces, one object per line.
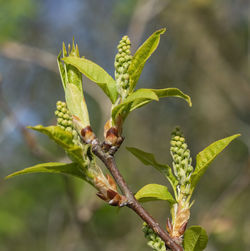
{"x":95,"y":73}
{"x":133,"y":101}
{"x":205,"y":157}
{"x":63,"y":139}
{"x":195,"y":239}
{"x":141,"y":56}
{"x":153,"y":192}
{"x":149,"y":160}
{"x":53,"y":167}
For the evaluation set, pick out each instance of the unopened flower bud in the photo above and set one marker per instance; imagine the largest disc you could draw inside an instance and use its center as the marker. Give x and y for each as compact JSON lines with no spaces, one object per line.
{"x":181,"y":157}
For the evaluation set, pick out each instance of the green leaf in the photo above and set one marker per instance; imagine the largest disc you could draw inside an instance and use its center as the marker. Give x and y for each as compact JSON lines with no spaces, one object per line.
{"x":76,"y":104}
{"x":63,"y":139}
{"x":195,"y":239}
{"x":205,"y":157}
{"x":61,"y":70}
{"x":172,"y":92}
{"x":142,"y":55}
{"x":95,"y":73}
{"x":149,"y":160}
{"x":153,"y":192}
{"x":142,"y":97}
{"x":53,"y":167}
{"x":133,"y":101}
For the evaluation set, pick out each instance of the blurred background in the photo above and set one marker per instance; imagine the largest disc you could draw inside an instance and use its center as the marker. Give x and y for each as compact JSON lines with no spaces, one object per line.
{"x":205,"y":53}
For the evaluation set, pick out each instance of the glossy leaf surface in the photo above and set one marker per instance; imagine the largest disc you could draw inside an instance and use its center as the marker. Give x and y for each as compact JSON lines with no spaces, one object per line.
{"x":52,"y":167}
{"x":153,"y":192}
{"x":63,"y":139}
{"x":133,"y":101}
{"x":96,"y":74}
{"x":142,"y":55}
{"x":205,"y":157}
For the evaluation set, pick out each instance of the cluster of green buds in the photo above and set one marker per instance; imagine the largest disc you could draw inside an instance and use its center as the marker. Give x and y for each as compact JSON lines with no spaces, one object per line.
{"x":64,"y":120}
{"x":182,"y":162}
{"x":122,"y":62}
{"x":154,"y":241}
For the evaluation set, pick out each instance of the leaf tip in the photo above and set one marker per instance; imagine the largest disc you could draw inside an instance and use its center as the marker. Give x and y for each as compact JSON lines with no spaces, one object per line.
{"x":9,"y":176}
{"x":161,"y":31}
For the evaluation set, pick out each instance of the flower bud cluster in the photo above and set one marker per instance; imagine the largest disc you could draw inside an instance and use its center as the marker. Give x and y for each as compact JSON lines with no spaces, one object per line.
{"x":122,"y":62}
{"x":64,"y":120}
{"x":154,"y":241}
{"x":182,"y":162}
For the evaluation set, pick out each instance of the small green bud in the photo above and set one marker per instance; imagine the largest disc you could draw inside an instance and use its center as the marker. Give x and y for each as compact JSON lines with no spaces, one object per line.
{"x":121,"y":60}
{"x":182,"y":139}
{"x":59,"y":120}
{"x":180,"y":152}
{"x":64,"y":110}
{"x":172,"y":142}
{"x":66,"y":116}
{"x":56,"y":112}
{"x":184,"y":146}
{"x":69,"y":122}
{"x":60,"y":115}
{"x":177,"y":138}
{"x":127,"y":52}
{"x":63,"y":104}
{"x":58,"y":103}
{"x":190,"y":169}
{"x":68,"y":129}
{"x":59,"y":107}
{"x":64,"y":123}
{"x":187,"y":154}
{"x":125,"y":66}
{"x":184,"y":162}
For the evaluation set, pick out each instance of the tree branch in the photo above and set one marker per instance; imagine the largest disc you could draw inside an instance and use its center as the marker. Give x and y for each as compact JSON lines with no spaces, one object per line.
{"x":132,"y":203}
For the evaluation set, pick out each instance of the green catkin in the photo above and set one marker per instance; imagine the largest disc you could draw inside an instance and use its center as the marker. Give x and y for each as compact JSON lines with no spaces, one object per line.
{"x":64,"y":120}
{"x":154,"y":241}
{"x":182,"y":162}
{"x":122,"y":62}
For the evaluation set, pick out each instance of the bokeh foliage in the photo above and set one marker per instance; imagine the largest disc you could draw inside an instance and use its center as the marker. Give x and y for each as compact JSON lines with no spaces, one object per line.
{"x":204,"y":53}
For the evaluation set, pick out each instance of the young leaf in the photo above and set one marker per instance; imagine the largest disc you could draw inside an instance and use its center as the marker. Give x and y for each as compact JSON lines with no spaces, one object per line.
{"x":153,"y":192}
{"x":205,"y":157}
{"x":76,"y":104}
{"x":142,"y":55}
{"x":95,"y":73}
{"x":195,"y":239}
{"x":143,"y":96}
{"x":63,"y":139}
{"x":136,"y":99}
{"x":149,"y":160}
{"x":61,"y":70}
{"x":53,"y":167}
{"x":172,"y":92}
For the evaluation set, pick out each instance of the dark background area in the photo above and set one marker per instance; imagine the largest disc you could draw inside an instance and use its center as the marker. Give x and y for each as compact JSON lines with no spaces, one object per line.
{"x":205,"y":53}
